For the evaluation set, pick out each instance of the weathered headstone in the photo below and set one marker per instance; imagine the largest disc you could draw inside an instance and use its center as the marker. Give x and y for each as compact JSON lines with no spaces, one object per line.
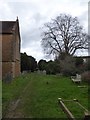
{"x":44,"y":72}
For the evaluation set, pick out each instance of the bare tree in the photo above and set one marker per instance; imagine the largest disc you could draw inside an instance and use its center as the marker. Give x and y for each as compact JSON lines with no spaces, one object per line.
{"x":64,"y":35}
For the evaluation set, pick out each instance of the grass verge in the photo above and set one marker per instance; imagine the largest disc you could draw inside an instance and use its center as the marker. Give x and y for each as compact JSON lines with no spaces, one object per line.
{"x":39,"y":95}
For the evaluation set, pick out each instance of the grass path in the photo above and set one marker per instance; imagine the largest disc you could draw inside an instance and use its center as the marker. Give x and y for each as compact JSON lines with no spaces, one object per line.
{"x":12,"y":110}
{"x":0,"y":99}
{"x":31,"y":97}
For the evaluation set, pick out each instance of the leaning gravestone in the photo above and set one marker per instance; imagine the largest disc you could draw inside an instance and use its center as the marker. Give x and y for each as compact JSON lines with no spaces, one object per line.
{"x":8,"y":78}
{"x":38,"y":71}
{"x":24,"y":72}
{"x":44,"y":72}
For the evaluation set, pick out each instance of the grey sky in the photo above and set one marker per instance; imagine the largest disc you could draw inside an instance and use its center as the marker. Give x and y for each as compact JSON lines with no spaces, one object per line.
{"x":33,"y":14}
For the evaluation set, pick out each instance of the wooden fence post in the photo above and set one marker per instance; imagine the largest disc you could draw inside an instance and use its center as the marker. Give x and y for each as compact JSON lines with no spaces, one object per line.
{"x":87,"y":115}
{"x":66,"y":110}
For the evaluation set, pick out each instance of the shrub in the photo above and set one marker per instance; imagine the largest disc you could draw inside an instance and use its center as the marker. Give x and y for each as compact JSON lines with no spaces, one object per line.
{"x":86,"y":76}
{"x":52,"y":67}
{"x":68,"y":67}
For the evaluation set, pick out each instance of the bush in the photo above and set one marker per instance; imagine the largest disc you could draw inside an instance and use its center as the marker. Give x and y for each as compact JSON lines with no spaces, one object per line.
{"x":86,"y":76}
{"x":68,"y":67}
{"x":52,"y":67}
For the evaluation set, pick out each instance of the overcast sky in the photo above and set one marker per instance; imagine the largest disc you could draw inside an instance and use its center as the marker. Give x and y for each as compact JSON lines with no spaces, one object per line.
{"x":33,"y":14}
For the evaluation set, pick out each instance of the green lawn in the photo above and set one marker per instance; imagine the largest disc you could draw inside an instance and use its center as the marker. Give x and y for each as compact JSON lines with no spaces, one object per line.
{"x":0,"y":99}
{"x":40,"y":100}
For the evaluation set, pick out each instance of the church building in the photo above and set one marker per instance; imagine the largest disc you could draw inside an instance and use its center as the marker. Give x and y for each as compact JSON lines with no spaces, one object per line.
{"x":10,"y":39}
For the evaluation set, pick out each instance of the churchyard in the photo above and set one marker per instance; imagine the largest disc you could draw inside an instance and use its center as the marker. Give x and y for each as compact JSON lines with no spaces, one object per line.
{"x":36,"y":96}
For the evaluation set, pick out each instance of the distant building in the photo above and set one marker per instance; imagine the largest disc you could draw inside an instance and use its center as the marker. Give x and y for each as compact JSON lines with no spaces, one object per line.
{"x":85,"y":58}
{"x":10,"y":35}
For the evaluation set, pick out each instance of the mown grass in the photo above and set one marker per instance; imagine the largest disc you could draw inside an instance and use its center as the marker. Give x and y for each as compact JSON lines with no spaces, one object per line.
{"x":39,"y":99}
{"x":0,"y":99}
{"x":12,"y":91}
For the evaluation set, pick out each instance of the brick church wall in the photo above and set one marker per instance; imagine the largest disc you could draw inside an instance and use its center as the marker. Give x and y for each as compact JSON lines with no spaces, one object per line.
{"x":6,"y":48}
{"x":0,"y":57}
{"x":10,"y":54}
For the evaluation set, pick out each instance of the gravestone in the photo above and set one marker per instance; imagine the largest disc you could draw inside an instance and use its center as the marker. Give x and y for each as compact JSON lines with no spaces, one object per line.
{"x":44,"y":72}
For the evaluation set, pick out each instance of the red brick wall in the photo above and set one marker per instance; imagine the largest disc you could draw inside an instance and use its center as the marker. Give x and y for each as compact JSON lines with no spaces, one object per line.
{"x":10,"y":55}
{"x":6,"y":69}
{"x":17,"y":68}
{"x":0,"y":57}
{"x":7,"y":47}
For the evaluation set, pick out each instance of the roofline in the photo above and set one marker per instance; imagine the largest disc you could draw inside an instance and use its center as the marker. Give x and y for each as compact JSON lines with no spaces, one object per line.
{"x":82,"y":56}
{"x":11,"y":32}
{"x":7,"y":21}
{"x":18,"y":27}
{"x":6,"y":33}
